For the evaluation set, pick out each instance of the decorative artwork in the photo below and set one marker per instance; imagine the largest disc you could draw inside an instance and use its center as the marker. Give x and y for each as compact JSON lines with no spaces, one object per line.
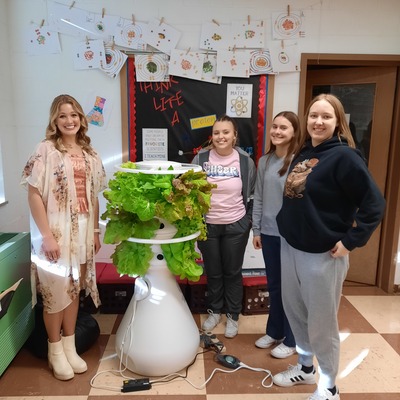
{"x":215,"y":36}
{"x":41,"y":40}
{"x":260,"y":62}
{"x":161,"y":36}
{"x":285,"y":56}
{"x":209,"y":73}
{"x":104,"y":26}
{"x":233,"y":63}
{"x":248,"y":34}
{"x":130,"y":34}
{"x":115,"y":60}
{"x":188,"y":64}
{"x":97,"y":108}
{"x":95,"y":116}
{"x":89,"y":54}
{"x":239,"y":99}
{"x":287,"y":25}
{"x":152,"y":67}
{"x":69,"y":20}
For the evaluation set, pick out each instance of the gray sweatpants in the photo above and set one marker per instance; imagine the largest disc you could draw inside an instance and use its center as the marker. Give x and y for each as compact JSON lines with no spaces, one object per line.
{"x":311,"y":290}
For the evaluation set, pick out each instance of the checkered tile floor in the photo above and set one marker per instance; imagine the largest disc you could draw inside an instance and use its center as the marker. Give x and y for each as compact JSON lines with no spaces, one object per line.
{"x":369,"y":367}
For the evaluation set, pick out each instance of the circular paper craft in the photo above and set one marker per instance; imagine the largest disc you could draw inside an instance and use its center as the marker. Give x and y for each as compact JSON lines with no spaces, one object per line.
{"x":114,"y":61}
{"x":131,"y":34}
{"x":287,"y":25}
{"x":260,"y":62}
{"x":154,"y":68}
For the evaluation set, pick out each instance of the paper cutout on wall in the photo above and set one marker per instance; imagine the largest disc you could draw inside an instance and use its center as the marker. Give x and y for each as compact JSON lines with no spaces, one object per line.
{"x":97,"y":108}
{"x":104,"y":26}
{"x":188,"y":64}
{"x":130,"y":34}
{"x":115,"y":60}
{"x":161,"y":36}
{"x":215,"y":36}
{"x":42,"y":40}
{"x":89,"y":54}
{"x":248,"y":34}
{"x":210,"y":69}
{"x":260,"y":62}
{"x":285,"y":56}
{"x":152,"y":67}
{"x":69,"y":20}
{"x":233,"y":63}
{"x":239,"y":97}
{"x":287,"y":26}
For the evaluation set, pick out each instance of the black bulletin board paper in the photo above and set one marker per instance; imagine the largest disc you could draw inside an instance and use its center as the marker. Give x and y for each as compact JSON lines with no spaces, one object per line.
{"x":172,"y":105}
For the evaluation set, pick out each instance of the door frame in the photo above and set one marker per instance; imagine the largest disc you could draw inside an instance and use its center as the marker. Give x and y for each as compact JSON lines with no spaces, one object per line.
{"x":390,"y":232}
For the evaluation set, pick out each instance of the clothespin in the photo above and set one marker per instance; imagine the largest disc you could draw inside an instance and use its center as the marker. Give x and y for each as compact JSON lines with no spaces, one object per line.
{"x":133,"y":19}
{"x":262,"y":22}
{"x":207,"y":55}
{"x":288,"y":10}
{"x":234,"y":48}
{"x":87,"y":40}
{"x":215,"y":22}
{"x":248,"y":20}
{"x":187,"y":52}
{"x":113,"y":43}
{"x":103,"y":11}
{"x":282,"y":44}
{"x":42,"y":23}
{"x":161,"y":21}
{"x":73,"y":3}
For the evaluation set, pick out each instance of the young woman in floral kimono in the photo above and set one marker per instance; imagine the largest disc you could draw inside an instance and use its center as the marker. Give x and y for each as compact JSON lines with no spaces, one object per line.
{"x":64,"y":176}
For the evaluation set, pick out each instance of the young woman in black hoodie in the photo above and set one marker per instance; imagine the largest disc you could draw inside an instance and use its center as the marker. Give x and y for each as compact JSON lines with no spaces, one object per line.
{"x":331,"y":206}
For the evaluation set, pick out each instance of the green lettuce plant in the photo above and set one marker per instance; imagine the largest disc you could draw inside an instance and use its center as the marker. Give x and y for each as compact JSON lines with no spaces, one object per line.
{"x":136,"y":201}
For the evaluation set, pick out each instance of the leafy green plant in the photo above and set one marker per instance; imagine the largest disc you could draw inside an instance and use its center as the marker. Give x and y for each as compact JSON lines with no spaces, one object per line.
{"x":136,"y":201}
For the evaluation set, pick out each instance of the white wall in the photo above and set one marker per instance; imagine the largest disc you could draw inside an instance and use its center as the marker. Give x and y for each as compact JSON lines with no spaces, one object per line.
{"x":29,"y":83}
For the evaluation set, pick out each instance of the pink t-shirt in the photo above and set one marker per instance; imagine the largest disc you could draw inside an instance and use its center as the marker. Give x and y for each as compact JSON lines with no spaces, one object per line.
{"x":226,"y":199}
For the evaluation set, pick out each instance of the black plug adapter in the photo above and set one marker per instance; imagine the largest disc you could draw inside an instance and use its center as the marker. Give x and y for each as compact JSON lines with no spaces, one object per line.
{"x":136,"y":385}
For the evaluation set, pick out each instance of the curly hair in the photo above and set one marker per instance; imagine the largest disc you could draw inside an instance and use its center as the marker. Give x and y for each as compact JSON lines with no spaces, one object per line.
{"x":53,"y":133}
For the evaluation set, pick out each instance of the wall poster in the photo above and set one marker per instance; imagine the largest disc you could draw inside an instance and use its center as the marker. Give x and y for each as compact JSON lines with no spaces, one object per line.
{"x":187,"y":109}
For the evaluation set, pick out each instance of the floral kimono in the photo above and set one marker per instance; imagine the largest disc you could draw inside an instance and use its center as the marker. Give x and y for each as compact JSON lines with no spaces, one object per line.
{"x":51,"y":172}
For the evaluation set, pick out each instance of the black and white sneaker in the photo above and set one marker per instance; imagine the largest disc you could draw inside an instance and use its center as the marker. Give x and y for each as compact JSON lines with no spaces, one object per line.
{"x":294,"y":376}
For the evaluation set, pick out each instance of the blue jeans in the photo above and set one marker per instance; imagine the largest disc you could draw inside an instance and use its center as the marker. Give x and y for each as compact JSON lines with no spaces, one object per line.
{"x":277,"y":325}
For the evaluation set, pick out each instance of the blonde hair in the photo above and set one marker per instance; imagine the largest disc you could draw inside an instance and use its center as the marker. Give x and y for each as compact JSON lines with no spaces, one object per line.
{"x":53,"y":133}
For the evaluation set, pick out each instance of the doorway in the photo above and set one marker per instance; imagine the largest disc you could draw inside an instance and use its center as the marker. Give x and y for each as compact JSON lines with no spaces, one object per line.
{"x":369,"y":94}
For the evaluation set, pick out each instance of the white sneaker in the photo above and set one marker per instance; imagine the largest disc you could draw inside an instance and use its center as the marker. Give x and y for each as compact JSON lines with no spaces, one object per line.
{"x":294,"y":376}
{"x":212,"y":321}
{"x":324,"y":395}
{"x":266,"y":341}
{"x":232,"y":327}
{"x":283,"y":351}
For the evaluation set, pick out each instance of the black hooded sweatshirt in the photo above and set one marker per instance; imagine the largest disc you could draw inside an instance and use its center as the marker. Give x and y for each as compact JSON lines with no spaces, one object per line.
{"x":329,"y":196}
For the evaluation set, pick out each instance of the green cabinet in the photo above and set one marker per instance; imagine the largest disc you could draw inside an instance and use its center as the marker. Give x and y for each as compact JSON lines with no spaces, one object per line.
{"x":16,"y":314}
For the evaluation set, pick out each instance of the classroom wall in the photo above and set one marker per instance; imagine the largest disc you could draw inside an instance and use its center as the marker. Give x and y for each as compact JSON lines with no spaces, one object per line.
{"x":28,"y":84}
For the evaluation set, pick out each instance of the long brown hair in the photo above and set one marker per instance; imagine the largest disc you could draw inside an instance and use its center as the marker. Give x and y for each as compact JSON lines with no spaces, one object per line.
{"x":294,"y":143}
{"x":52,"y":131}
{"x":342,"y":131}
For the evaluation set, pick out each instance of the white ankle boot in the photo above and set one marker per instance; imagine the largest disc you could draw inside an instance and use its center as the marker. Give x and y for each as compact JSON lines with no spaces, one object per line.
{"x":58,"y":362}
{"x":78,"y":365}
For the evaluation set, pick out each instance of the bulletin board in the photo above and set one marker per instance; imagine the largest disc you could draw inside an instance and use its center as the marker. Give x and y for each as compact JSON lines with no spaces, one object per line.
{"x":185,"y":107}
